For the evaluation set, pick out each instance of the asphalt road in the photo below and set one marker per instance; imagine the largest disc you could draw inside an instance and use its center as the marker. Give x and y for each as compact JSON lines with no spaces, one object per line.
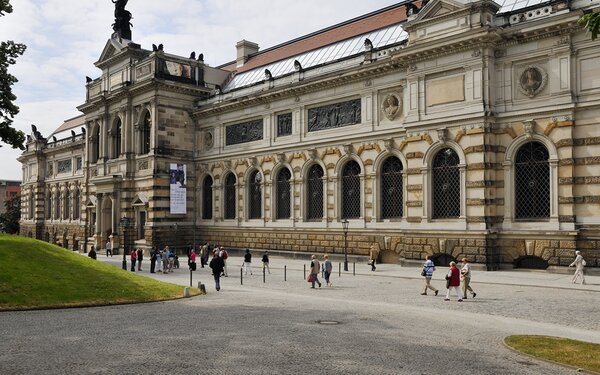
{"x":375,"y":323}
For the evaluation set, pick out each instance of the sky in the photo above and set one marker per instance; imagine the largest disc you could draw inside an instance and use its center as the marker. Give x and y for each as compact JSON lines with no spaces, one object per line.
{"x":65,"y":38}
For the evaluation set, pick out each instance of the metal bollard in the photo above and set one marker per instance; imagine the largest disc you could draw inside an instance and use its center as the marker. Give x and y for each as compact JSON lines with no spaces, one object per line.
{"x":264,"y":279}
{"x":241,"y":276}
{"x":305,"y":271}
{"x":353,"y":268}
{"x":284,"y":273}
{"x":186,"y":292}
{"x":340,"y":269}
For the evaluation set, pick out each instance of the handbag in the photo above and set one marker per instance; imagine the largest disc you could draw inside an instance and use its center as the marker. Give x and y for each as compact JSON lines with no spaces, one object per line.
{"x":311,"y":278}
{"x":193,"y":266}
{"x":423,"y":273}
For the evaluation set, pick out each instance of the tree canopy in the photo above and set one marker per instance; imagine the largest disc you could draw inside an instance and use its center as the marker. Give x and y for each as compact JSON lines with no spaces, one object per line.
{"x":592,"y":23}
{"x":9,"y":51}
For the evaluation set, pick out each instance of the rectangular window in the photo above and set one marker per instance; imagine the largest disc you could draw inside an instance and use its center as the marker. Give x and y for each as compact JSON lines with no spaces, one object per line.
{"x":78,"y":163}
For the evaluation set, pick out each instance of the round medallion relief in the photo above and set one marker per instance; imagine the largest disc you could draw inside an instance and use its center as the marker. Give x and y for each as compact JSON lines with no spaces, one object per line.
{"x":532,"y":81}
{"x":391,"y":106}
{"x":208,"y":139}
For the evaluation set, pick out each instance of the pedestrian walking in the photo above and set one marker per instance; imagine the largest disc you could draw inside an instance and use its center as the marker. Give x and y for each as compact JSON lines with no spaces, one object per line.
{"x":217,"y":265}
{"x":159,"y":260}
{"x":579,"y":263}
{"x":453,"y":281}
{"x":192,"y":259}
{"x":133,"y":258}
{"x":203,"y":251}
{"x":92,"y":253}
{"x":153,"y":254}
{"x":223,"y":255}
{"x":165,"y":259}
{"x":315,"y":268}
{"x":108,"y":248}
{"x":265,"y":261}
{"x":140,"y":257}
{"x":248,"y":262}
{"x":328,"y":267}
{"x":428,"y":268}
{"x":171,"y":260}
{"x":465,"y":275}
{"x":373,"y":255}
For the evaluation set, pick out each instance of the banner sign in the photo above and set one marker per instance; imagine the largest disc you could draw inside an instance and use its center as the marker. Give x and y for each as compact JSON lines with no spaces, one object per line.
{"x":178,"y":194}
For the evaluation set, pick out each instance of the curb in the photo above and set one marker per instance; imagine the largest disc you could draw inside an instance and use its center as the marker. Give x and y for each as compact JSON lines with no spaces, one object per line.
{"x":574,"y":368}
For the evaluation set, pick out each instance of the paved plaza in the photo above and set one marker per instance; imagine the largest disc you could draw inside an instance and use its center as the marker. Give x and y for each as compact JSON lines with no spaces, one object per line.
{"x":371,"y":323}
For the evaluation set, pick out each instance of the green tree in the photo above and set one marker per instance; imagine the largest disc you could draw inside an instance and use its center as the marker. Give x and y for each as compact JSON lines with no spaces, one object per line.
{"x":9,"y":51}
{"x":9,"y":221}
{"x":592,"y":23}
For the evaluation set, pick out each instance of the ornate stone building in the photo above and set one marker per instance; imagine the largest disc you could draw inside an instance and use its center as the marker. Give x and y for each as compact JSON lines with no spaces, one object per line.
{"x":462,"y":129}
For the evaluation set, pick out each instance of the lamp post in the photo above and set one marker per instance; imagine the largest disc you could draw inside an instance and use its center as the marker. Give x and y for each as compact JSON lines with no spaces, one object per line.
{"x":345,"y":225}
{"x":124,"y":223}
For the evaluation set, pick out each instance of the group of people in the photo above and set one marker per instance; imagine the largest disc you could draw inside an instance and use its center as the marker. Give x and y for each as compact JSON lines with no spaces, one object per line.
{"x":453,"y":279}
{"x":315,"y":268}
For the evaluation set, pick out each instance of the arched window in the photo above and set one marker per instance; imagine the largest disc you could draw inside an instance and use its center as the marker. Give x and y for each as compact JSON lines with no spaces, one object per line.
{"x":32,"y":205}
{"x":49,"y":206}
{"x":255,"y":195}
{"x":391,"y":188}
{"x":446,"y":184}
{"x":532,"y":182}
{"x":207,"y":206}
{"x":76,"y":204}
{"x":314,"y":193}
{"x":351,"y":190}
{"x":230,"y":199}
{"x":58,"y":204}
{"x":67,"y":210}
{"x":96,"y":145}
{"x":116,"y":140}
{"x":283,"y":194}
{"x":145,"y":134}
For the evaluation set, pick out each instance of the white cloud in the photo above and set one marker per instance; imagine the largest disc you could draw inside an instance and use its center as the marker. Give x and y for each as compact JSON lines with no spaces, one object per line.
{"x":65,"y":38}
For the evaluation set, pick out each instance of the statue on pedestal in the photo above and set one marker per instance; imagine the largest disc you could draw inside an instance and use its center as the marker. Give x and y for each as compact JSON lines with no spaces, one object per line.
{"x":122,"y":26}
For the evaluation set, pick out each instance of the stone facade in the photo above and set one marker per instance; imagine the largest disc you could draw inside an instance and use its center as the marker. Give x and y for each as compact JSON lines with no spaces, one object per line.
{"x":456,"y":105}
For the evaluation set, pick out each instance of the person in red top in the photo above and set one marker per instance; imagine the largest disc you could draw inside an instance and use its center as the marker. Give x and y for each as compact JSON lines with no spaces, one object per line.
{"x":453,"y":281}
{"x":133,"y":259}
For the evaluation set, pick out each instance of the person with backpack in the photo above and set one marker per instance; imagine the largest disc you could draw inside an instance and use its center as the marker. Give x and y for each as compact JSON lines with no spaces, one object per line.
{"x":427,"y":272}
{"x":217,"y":265}
{"x":579,"y":264}
{"x":223,"y":255}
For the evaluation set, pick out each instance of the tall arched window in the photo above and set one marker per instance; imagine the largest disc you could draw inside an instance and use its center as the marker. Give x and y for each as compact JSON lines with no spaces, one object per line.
{"x":145,"y":134}
{"x":96,"y":145}
{"x":255,"y":195}
{"x":532,"y":182}
{"x":314,"y":193}
{"x":446,"y":184}
{"x":230,"y":199}
{"x":207,"y":199}
{"x":57,"y":205}
{"x":391,"y":188}
{"x":283,"y":194}
{"x":76,"y":204}
{"x":67,"y":209}
{"x":116,"y":140}
{"x":351,"y":190}
{"x":49,"y":205}
{"x":32,"y":205}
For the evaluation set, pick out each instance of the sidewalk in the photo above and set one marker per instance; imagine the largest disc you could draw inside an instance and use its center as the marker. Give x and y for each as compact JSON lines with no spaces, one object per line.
{"x":529,"y":278}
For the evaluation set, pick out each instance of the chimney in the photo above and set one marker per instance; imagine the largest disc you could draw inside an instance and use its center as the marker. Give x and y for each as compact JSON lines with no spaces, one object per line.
{"x":244,"y":49}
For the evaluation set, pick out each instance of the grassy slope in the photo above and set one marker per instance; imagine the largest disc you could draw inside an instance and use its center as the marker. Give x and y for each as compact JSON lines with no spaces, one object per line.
{"x":35,"y":274}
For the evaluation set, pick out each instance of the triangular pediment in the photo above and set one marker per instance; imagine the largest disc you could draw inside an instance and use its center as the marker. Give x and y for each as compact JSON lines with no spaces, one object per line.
{"x":436,"y":8}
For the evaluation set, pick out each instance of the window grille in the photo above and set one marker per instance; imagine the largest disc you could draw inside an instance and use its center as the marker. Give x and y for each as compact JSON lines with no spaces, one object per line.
{"x":532,"y":182}
{"x":314,"y":193}
{"x":146,"y":134}
{"x":230,"y":199}
{"x":446,"y":185}
{"x":207,"y":188}
{"x":351,"y":190}
{"x":283,"y":194}
{"x":255,"y":194}
{"x":391,"y":188}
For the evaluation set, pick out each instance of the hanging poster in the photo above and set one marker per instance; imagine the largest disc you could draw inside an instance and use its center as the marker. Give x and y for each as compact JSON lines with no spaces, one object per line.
{"x":178,"y":194}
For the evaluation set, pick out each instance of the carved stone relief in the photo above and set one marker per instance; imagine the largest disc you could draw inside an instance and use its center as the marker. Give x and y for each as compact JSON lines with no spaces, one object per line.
{"x":208,"y":139}
{"x":532,"y":81}
{"x":334,"y":115}
{"x":391,"y":106}
{"x":284,"y":124}
{"x":244,"y":132}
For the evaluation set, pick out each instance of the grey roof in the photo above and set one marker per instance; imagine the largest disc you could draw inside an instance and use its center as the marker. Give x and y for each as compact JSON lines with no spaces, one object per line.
{"x":512,"y":5}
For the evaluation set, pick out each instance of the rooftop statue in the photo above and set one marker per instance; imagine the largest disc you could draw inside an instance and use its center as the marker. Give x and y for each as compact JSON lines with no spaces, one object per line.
{"x":122,"y":26}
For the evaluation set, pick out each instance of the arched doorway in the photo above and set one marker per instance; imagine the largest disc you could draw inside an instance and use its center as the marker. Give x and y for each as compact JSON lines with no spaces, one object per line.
{"x":531,"y":262}
{"x":442,"y":260}
{"x":106,"y":222}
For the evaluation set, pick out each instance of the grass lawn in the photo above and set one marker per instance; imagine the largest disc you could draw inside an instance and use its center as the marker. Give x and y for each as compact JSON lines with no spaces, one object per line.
{"x":580,"y":354}
{"x":35,"y":274}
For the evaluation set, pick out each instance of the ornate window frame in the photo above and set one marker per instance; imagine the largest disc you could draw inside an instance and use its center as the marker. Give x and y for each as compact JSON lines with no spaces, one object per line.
{"x":341,"y":164}
{"x":377,"y":181}
{"x":250,"y":173}
{"x":305,"y":197}
{"x":224,"y":187}
{"x":203,"y":198}
{"x":275,"y":192}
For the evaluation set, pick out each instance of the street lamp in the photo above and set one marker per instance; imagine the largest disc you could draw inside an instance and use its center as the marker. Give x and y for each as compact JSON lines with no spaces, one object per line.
{"x":345,"y":225}
{"x":125,"y":224}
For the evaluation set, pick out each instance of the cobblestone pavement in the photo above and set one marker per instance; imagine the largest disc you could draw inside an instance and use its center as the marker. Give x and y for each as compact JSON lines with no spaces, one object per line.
{"x":378,"y":324}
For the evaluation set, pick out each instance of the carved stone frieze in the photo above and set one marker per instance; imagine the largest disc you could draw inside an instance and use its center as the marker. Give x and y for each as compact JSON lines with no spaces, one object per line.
{"x":334,"y":115}
{"x":284,"y":124}
{"x":244,"y":132}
